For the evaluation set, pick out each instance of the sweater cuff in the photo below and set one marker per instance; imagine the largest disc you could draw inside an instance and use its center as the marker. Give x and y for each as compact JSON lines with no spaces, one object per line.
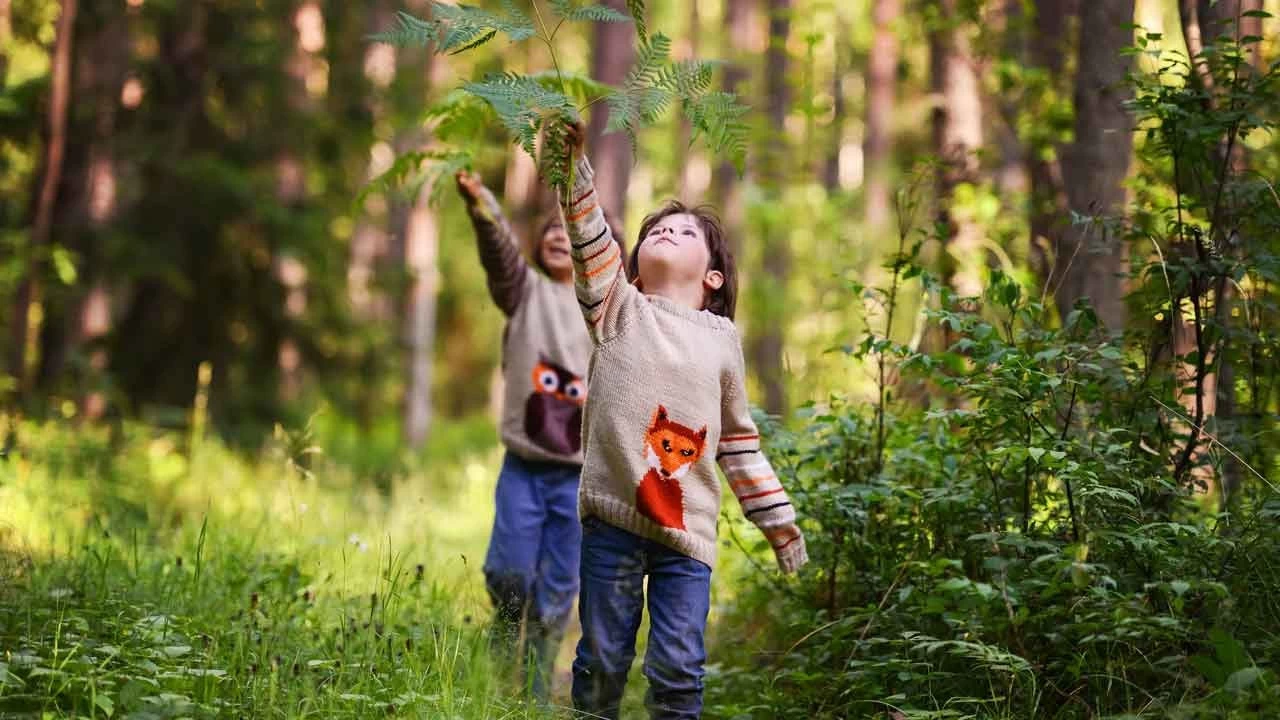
{"x":792,"y":557}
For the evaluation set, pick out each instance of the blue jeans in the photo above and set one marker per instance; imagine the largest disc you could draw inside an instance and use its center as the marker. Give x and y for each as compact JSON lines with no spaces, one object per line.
{"x":531,"y":569}
{"x":614,"y":564}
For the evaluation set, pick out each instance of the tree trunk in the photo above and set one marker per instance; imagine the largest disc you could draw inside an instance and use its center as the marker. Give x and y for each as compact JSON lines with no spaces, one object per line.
{"x":957,"y":136}
{"x":1011,"y":178}
{"x":420,"y":246}
{"x":28,"y":292}
{"x":1048,"y":50}
{"x":688,"y":171}
{"x":766,"y":338}
{"x":1091,"y":258}
{"x":370,"y":241}
{"x":724,"y":179}
{"x":613,"y":52}
{"x":419,"y":253}
{"x":881,"y":89}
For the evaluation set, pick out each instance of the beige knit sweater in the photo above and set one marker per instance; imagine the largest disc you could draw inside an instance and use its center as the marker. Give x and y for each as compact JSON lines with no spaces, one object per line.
{"x":667,"y":403}
{"x":545,"y":347}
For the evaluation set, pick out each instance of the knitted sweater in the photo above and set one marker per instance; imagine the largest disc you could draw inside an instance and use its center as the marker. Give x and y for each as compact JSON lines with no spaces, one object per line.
{"x":667,"y":404}
{"x":545,"y":347}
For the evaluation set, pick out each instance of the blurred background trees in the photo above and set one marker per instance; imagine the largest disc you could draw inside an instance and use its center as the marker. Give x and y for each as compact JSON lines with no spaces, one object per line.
{"x":179,"y":185}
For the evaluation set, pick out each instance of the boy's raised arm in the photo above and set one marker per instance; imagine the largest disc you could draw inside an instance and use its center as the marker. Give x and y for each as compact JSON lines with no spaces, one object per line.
{"x":507,"y":270}
{"x":751,"y":477}
{"x":599,"y":278}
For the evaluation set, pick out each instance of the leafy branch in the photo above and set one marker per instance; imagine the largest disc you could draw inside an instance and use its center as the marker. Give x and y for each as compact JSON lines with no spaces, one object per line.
{"x":528,"y":105}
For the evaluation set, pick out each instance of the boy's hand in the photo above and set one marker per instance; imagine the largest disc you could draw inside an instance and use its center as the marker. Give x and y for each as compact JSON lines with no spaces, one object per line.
{"x":470,"y":186}
{"x":575,"y":136}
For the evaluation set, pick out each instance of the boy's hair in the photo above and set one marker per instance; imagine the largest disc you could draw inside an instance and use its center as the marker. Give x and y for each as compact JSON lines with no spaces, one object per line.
{"x":723,"y":301}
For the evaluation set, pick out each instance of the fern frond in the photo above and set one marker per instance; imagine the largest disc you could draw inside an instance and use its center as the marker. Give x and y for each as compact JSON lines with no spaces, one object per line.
{"x":460,"y":118}
{"x":636,"y":8}
{"x":457,"y":28}
{"x":573,"y":12}
{"x":406,"y":175}
{"x":719,"y":117}
{"x":522,"y":103}
{"x":687,"y":77}
{"x":582,"y":88}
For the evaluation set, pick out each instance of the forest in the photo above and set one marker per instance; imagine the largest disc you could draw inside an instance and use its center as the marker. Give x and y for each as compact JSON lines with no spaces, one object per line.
{"x":1008,"y":272}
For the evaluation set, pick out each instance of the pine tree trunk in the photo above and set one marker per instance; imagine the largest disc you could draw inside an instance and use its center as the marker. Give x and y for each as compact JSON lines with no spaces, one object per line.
{"x":613,"y":52}
{"x":957,"y":135}
{"x":1049,"y":50}
{"x":839,"y":105}
{"x":724,"y":178}
{"x":881,"y":90}
{"x":766,"y":337}
{"x":28,"y":292}
{"x":421,"y":246}
{"x":1091,"y":258}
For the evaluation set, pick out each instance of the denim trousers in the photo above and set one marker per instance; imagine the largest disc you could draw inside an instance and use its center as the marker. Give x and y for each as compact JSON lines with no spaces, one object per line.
{"x":531,"y":569}
{"x":615,"y":563}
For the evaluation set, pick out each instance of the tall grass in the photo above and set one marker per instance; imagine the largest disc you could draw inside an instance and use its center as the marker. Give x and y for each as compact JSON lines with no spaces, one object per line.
{"x":146,"y":575}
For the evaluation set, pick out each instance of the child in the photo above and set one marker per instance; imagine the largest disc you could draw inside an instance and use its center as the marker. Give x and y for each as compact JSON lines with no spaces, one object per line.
{"x":531,"y":569}
{"x":667,"y":403}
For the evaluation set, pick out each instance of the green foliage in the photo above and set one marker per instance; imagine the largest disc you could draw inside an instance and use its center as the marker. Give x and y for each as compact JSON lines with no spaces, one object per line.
{"x":1020,"y":525}
{"x":457,"y":28}
{"x":529,"y":105}
{"x":573,"y":11}
{"x":202,"y":584}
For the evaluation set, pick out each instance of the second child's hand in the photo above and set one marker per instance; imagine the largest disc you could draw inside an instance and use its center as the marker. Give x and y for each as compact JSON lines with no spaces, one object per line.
{"x":470,"y":186}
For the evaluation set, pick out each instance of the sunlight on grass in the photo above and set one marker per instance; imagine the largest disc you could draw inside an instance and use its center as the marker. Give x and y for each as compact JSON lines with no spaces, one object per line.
{"x":148,"y":580}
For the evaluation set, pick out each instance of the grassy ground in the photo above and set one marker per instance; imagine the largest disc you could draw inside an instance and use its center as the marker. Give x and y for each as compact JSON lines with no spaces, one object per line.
{"x":146,"y":579}
{"x":144,"y":575}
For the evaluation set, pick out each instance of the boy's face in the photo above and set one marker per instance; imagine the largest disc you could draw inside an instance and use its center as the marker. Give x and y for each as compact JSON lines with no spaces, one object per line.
{"x":674,"y":252}
{"x":553,"y":252}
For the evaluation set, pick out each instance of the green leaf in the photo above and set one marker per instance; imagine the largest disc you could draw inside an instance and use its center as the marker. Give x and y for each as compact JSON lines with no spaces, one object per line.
{"x":717,"y":116}
{"x":64,"y":265}
{"x":1036,"y":453}
{"x":522,"y":103}
{"x":636,"y":8}
{"x":105,"y":704}
{"x":457,"y":28}
{"x":573,"y":12}
{"x":1241,"y":680}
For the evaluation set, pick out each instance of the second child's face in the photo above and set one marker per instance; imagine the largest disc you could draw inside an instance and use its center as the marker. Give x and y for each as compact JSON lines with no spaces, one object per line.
{"x":674,"y":252}
{"x":553,"y":251}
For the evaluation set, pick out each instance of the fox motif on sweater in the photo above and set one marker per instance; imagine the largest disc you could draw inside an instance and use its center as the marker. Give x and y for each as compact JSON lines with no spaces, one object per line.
{"x":671,"y":449}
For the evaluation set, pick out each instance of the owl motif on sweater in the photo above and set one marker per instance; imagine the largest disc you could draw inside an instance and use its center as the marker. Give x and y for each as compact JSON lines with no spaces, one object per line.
{"x":671,"y":450}
{"x":553,"y":412}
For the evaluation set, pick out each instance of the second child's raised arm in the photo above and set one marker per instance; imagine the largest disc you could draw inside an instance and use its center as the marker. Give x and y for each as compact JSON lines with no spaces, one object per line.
{"x":506,"y":269}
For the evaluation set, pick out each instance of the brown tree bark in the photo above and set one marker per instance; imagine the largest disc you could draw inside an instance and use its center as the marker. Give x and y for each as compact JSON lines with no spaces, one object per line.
{"x":1049,"y":49}
{"x":420,"y":246}
{"x":881,"y":89}
{"x":839,"y":104}
{"x":766,"y":336}
{"x":724,"y":178}
{"x":957,"y":135}
{"x":420,"y":249}
{"x":28,"y":292}
{"x":1091,"y":258}
{"x":613,"y":52}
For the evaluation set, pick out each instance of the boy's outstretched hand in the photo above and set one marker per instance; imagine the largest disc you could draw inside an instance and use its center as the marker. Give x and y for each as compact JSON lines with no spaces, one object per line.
{"x":470,"y":186}
{"x":575,"y":134}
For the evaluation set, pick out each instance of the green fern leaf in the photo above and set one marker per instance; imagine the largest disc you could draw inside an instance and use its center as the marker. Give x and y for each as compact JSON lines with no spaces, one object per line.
{"x":582,"y":88}
{"x":636,"y":8}
{"x":688,"y":77}
{"x":457,"y":28}
{"x":460,"y":118}
{"x":718,"y":116}
{"x":414,"y":170}
{"x":643,"y":96}
{"x":522,"y":104}
{"x":573,"y":12}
